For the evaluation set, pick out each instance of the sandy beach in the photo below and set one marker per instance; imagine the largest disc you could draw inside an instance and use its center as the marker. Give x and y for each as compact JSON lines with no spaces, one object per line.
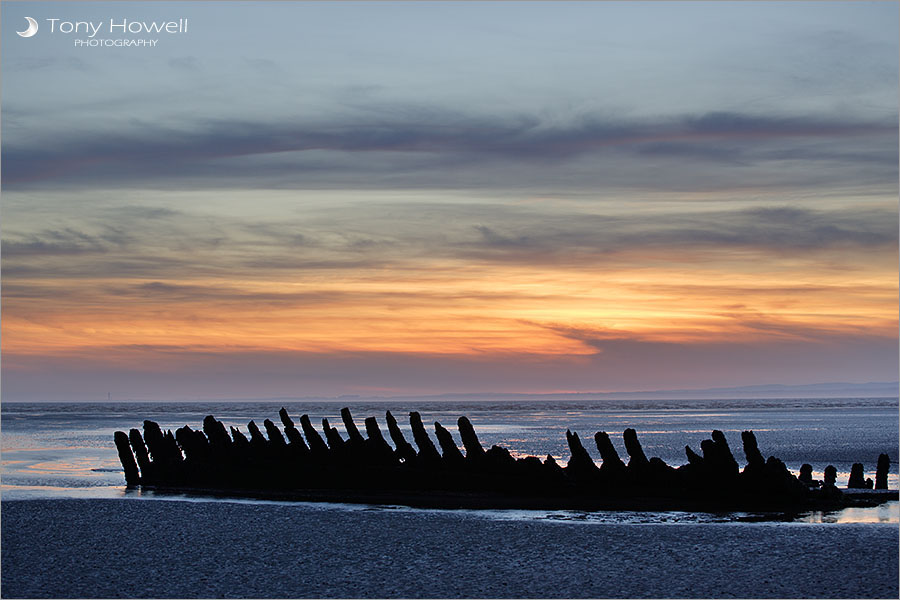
{"x":172,"y":548}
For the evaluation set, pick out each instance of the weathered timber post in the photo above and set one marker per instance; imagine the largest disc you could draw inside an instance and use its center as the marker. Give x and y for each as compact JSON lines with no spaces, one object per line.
{"x":218,"y":437}
{"x":275,"y":437}
{"x":353,"y":433}
{"x":404,"y":449}
{"x":156,"y":444}
{"x":806,"y":474}
{"x":297,"y":444}
{"x":755,"y":460}
{"x":857,"y":477}
{"x":143,"y":459}
{"x":193,"y":451}
{"x":126,"y":456}
{"x":611,"y":460}
{"x":830,"y":477}
{"x":172,"y":449}
{"x":427,"y":451}
{"x":474,"y":451}
{"x":724,"y":459}
{"x":257,"y":439}
{"x":317,"y":446}
{"x":881,"y":472}
{"x":335,"y":441}
{"x":448,"y":447}
{"x":637,"y":458}
{"x":694,"y":459}
{"x":238,"y":439}
{"x":379,"y":447}
{"x":580,"y":463}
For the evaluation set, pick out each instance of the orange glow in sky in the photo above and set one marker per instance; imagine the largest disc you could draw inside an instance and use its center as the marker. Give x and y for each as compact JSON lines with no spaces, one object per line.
{"x":446,"y":307}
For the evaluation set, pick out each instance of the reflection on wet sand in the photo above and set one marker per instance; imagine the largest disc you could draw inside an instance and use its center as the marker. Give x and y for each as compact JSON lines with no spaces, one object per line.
{"x":885,"y":513}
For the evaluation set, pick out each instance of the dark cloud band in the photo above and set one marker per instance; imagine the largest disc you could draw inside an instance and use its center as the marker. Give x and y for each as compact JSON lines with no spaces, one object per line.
{"x":413,"y":146}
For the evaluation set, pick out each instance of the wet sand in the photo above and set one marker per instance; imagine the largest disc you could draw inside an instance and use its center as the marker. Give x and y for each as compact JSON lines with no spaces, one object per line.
{"x":170,"y":548}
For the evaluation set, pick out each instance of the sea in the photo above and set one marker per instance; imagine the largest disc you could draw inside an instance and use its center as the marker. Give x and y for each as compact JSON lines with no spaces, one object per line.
{"x":70,"y":528}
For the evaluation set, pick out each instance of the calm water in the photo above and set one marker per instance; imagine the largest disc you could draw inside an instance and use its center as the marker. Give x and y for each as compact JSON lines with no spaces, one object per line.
{"x":71,"y":530}
{"x":67,"y":451}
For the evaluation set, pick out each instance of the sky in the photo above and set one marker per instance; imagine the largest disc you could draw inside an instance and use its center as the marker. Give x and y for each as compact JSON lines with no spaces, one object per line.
{"x":297,"y":199}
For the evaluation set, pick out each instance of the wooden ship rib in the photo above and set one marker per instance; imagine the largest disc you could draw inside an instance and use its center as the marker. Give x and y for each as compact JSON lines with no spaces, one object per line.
{"x":366,"y":468}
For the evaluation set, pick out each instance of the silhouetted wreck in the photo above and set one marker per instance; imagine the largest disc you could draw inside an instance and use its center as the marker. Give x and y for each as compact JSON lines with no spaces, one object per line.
{"x":366,"y":468}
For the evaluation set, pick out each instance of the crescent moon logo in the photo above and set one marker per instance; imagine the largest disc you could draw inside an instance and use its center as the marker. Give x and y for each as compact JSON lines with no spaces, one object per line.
{"x":32,"y":28}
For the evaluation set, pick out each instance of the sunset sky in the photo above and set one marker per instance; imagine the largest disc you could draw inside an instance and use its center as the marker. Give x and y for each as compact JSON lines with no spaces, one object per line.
{"x":298,"y":199}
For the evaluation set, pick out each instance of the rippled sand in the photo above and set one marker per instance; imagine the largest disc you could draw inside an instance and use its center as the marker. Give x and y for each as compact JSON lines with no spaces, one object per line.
{"x":157,"y":548}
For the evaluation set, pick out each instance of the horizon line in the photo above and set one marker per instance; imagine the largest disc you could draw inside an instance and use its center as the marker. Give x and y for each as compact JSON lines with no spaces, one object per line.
{"x":814,"y":391}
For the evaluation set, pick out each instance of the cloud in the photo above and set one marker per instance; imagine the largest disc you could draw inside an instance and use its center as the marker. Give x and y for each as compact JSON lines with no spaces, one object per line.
{"x":733,"y":124}
{"x":369,"y":234}
{"x":65,"y":242}
{"x":777,"y":229}
{"x":412,"y":145}
{"x":166,"y":294}
{"x":742,"y":326}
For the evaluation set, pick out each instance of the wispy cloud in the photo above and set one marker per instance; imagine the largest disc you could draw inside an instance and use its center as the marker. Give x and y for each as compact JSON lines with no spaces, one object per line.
{"x":165,"y":244}
{"x":591,"y":237}
{"x":65,"y":242}
{"x":162,"y":243}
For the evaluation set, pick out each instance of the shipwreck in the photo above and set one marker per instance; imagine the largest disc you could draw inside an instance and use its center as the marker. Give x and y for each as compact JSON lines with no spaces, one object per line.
{"x":304,"y":464}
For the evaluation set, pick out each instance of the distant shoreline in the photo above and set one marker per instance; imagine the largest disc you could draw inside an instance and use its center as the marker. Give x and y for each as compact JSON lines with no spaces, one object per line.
{"x":887,"y":391}
{"x":881,"y":400}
